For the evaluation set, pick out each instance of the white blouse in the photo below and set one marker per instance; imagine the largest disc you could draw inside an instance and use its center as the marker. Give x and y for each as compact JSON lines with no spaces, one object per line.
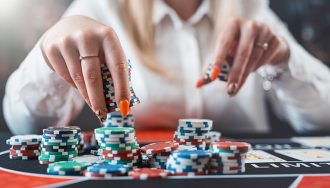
{"x":36,"y":97}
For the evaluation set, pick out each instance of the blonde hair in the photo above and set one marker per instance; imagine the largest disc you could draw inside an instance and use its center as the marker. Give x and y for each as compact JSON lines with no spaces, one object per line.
{"x":137,"y":18}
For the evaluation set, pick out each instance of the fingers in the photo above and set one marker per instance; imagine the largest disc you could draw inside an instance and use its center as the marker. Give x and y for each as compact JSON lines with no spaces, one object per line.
{"x":241,"y":59}
{"x":263,"y":36}
{"x":269,"y":53}
{"x":88,"y":46}
{"x":70,"y":54}
{"x":117,"y":63}
{"x":56,"y":61}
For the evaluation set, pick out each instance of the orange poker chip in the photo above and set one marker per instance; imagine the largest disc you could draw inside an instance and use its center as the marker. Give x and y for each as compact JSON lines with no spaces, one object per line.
{"x":231,"y":145}
{"x":148,"y":173}
{"x":159,"y":147}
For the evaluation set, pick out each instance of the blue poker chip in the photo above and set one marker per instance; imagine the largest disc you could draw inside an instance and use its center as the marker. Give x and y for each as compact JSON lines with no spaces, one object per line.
{"x":191,"y":154}
{"x":105,"y":168}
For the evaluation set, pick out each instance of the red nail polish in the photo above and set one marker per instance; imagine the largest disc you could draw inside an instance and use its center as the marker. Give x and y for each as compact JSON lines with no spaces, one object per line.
{"x":124,"y":107}
{"x":215,"y":72}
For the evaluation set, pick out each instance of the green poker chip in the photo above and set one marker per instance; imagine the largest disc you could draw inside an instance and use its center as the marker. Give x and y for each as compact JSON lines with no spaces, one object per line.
{"x":65,"y":153}
{"x":126,"y":146}
{"x":59,"y":144}
{"x":114,"y":130}
{"x":67,"y":166}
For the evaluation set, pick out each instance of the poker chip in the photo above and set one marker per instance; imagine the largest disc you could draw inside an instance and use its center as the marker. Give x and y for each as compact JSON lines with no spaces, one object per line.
{"x":60,"y":144}
{"x":223,"y":75}
{"x":61,"y":130}
{"x":66,"y":168}
{"x":228,"y":157}
{"x":107,"y":170}
{"x":159,"y":147}
{"x":118,"y":145}
{"x":88,"y":159}
{"x":97,"y":152}
{"x":185,"y":161}
{"x":148,"y":173}
{"x":109,"y":90}
{"x":193,"y":132}
{"x":115,"y":119}
{"x":24,"y":147}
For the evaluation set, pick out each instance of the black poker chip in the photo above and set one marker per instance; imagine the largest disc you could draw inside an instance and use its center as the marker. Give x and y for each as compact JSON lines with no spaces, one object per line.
{"x":58,"y":148}
{"x":61,"y":130}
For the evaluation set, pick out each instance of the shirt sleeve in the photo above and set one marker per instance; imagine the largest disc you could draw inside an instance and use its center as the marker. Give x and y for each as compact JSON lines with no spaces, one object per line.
{"x":36,"y":97}
{"x":301,"y":94}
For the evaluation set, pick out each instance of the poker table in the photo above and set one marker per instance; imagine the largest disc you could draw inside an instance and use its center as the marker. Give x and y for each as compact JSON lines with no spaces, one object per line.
{"x":285,"y":162}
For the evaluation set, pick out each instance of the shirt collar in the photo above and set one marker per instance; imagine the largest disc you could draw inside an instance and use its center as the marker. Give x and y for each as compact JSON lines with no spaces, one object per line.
{"x":161,"y":10}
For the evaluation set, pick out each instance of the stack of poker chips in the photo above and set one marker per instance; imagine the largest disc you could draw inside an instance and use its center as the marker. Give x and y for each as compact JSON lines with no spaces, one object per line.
{"x":59,"y":144}
{"x":118,"y":145}
{"x":228,"y":157}
{"x":115,"y":119}
{"x":193,"y":132}
{"x":188,"y":162}
{"x":105,"y":170}
{"x":24,"y":147}
{"x":109,"y":90}
{"x":89,"y":140}
{"x":148,"y":173}
{"x":66,"y":168}
{"x":159,"y":152}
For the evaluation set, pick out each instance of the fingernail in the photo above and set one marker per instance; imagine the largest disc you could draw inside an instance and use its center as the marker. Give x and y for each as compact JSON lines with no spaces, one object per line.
{"x":215,"y":72}
{"x":124,"y":107}
{"x":232,"y":89}
{"x":101,"y":114}
{"x":199,"y":83}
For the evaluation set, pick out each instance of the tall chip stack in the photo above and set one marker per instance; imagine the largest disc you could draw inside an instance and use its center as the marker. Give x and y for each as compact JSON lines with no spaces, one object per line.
{"x":188,"y":162}
{"x":118,"y":145}
{"x":193,"y":132}
{"x":24,"y":147}
{"x":115,"y":119}
{"x":228,"y":157}
{"x":109,"y":90}
{"x":159,"y":152}
{"x":59,"y":144}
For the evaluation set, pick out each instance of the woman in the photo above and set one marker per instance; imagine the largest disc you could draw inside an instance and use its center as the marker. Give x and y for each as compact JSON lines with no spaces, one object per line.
{"x":170,"y":43}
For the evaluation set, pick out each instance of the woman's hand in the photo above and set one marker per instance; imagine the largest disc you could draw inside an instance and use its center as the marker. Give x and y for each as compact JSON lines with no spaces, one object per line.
{"x":75,"y":47}
{"x":250,"y":44}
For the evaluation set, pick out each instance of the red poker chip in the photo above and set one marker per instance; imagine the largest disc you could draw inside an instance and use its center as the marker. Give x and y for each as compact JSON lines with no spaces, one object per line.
{"x":95,"y":175}
{"x":228,"y":145}
{"x":159,"y":147}
{"x":37,"y":147}
{"x":148,"y":173}
{"x":120,"y":152}
{"x":24,"y":152}
{"x":188,"y":173}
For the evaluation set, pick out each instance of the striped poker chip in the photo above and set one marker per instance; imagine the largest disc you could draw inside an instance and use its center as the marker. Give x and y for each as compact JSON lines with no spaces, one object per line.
{"x":61,"y":130}
{"x":30,"y":138}
{"x":159,"y":147}
{"x":148,"y":173}
{"x":234,"y":146}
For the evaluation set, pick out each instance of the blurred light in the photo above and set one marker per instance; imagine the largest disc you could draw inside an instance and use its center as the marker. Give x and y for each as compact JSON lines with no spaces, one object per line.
{"x":9,"y":8}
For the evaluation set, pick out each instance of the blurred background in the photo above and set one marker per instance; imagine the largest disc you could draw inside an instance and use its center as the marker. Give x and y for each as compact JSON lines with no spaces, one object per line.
{"x":23,"y":22}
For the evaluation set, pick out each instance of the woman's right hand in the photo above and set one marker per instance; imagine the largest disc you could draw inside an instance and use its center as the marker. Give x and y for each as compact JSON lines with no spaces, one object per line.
{"x":78,"y":36}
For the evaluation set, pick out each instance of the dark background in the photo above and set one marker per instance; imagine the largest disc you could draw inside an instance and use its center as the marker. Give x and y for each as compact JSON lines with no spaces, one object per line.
{"x":23,"y":22}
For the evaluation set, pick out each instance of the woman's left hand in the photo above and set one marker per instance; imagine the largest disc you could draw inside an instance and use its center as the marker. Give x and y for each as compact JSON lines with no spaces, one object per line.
{"x":250,"y":44}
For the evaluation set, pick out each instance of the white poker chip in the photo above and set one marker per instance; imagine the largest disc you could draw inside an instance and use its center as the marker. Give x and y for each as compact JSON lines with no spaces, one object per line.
{"x":88,"y":159}
{"x":30,"y":138}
